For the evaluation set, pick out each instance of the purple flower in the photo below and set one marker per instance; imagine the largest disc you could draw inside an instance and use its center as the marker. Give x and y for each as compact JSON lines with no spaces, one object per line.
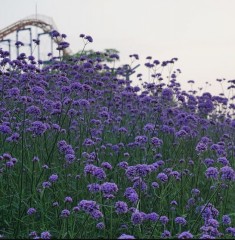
{"x":96,"y":214}
{"x":226,"y":220}
{"x":131,"y":195}
{"x":137,"y":218}
{"x":106,"y":165}
{"x":209,"y":162}
{"x":195,"y":192}
{"x":65,"y":213}
{"x":68,"y":199}
{"x":88,"y":38}
{"x":100,"y":225}
{"x":156,"y":142}
{"x":212,"y":172}
{"x":155,"y":185}
{"x":53,"y":178}
{"x":166,"y":234}
{"x":31,"y":211}
{"x":149,"y":127}
{"x":93,"y":187}
{"x":38,"y":127}
{"x":9,"y":164}
{"x":121,"y":207}
{"x":162,"y":177}
{"x":33,"y":234}
{"x":227,"y":173}
{"x":125,"y":236}
{"x":123,"y":165}
{"x":109,"y":188}
{"x":152,"y":216}
{"x":213,"y":222}
{"x":231,"y":231}
{"x":185,"y":235}
{"x":5,"y":129}
{"x":180,"y":220}
{"x":45,"y":235}
{"x":164,"y":220}
{"x":55,"y":204}
{"x":201,"y":147}
{"x":223,"y":160}
{"x":46,"y":184}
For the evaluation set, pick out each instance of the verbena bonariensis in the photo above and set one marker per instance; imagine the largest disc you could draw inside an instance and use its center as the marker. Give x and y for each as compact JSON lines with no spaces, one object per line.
{"x":87,"y":154}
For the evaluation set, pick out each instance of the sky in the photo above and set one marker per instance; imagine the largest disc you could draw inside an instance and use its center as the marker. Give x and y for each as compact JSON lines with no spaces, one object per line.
{"x":200,"y":33}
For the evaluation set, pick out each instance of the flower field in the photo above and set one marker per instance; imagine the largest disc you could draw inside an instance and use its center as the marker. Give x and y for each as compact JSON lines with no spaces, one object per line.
{"x":85,"y":153}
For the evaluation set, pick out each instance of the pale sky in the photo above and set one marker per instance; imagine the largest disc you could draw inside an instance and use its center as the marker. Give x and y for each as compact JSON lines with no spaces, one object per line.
{"x":198,"y":32}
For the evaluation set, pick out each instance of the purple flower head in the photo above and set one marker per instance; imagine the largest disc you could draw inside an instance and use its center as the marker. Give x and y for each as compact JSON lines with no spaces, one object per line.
{"x":137,"y":218}
{"x":209,"y":162}
{"x":68,"y":199}
{"x":164,"y":220}
{"x":95,"y":171}
{"x":149,"y":127}
{"x":121,"y":207}
{"x":223,"y":160}
{"x":153,"y":217}
{"x":38,"y":127}
{"x":231,"y":231}
{"x":201,"y":147}
{"x":195,"y":192}
{"x":162,"y":177}
{"x":106,"y":165}
{"x":5,"y":129}
{"x":93,"y":187}
{"x":33,"y":234}
{"x":9,"y":164}
{"x":96,"y":214}
{"x":167,"y":94}
{"x":53,"y":178}
{"x":38,"y":91}
{"x":109,"y":188}
{"x":131,"y":195}
{"x":212,"y":172}
{"x":46,"y":184}
{"x":227,"y":173}
{"x":139,"y":184}
{"x":166,"y":234}
{"x":226,"y":220}
{"x":208,"y":211}
{"x":65,"y":213}
{"x":55,"y":204}
{"x":213,"y":222}
{"x":35,"y":159}
{"x":100,"y":225}
{"x":88,"y":38}
{"x":185,"y":235}
{"x":88,"y":206}
{"x":33,"y":110}
{"x":31,"y":211}
{"x":125,"y":236}
{"x":45,"y":235}
{"x":156,"y":142}
{"x":180,"y":220}
{"x":155,"y":185}
{"x":141,"y":139}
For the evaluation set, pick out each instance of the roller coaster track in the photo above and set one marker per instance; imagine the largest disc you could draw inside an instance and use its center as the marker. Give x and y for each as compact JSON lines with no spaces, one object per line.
{"x":45,"y":23}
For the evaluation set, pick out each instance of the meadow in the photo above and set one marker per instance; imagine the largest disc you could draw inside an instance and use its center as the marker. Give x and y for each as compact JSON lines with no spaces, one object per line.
{"x":85,"y":153}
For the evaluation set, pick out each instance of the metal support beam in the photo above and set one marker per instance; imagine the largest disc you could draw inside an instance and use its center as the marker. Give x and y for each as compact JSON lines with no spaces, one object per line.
{"x":30,"y":36}
{"x":38,"y":38}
